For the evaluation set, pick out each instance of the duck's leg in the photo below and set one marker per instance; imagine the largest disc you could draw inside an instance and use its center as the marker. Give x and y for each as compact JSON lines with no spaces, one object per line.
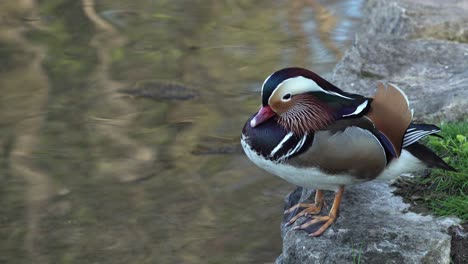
{"x":327,"y":219}
{"x":310,"y":209}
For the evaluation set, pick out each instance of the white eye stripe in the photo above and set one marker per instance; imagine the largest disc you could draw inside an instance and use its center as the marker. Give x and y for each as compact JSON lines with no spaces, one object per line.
{"x":300,"y":84}
{"x":278,"y":86}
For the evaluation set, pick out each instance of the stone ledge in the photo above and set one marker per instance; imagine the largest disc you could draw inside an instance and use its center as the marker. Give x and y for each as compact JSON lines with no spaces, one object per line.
{"x":422,"y":47}
{"x":433,"y":73}
{"x":373,"y":223}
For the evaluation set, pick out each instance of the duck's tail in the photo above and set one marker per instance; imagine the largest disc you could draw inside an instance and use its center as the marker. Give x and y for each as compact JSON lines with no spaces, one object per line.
{"x":428,"y":157}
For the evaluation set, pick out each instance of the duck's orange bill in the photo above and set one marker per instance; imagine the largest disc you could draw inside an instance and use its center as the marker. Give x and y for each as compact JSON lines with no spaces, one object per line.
{"x":263,"y":115}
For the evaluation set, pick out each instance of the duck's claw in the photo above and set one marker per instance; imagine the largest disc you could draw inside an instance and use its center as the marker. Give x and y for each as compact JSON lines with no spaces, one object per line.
{"x":314,"y":226}
{"x":310,"y":209}
{"x":327,"y":220}
{"x":307,"y":206}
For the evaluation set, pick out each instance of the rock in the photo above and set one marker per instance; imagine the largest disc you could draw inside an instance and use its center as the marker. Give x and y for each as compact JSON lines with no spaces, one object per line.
{"x":375,"y":227}
{"x":432,"y":73}
{"x":422,"y":47}
{"x":402,"y":44}
{"x":412,"y":19}
{"x":459,"y":243}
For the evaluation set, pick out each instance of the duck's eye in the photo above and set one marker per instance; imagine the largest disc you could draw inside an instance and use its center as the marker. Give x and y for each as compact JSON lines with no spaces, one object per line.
{"x":286,"y":97}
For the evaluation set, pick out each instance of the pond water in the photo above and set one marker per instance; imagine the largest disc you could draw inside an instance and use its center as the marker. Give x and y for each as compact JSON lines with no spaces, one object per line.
{"x":120,"y":125}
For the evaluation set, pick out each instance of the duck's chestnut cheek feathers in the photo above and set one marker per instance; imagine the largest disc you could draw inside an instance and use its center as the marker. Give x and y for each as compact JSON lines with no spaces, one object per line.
{"x":263,"y":115}
{"x":280,"y":106}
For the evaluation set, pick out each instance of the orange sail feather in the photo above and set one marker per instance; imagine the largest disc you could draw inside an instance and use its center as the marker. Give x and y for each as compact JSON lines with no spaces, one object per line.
{"x":391,"y":114}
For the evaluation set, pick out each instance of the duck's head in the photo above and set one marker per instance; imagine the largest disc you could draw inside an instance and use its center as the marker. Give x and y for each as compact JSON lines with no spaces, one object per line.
{"x":302,"y":101}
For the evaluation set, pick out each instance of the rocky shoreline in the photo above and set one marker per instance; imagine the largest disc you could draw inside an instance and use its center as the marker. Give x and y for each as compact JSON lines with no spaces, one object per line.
{"x":422,"y":47}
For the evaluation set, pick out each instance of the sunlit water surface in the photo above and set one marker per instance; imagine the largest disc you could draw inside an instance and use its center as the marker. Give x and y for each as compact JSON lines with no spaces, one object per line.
{"x":120,"y":124}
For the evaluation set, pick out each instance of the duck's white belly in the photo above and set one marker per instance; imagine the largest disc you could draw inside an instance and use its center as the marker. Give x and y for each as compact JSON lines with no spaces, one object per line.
{"x":316,"y":179}
{"x":306,"y":177}
{"x":406,"y":163}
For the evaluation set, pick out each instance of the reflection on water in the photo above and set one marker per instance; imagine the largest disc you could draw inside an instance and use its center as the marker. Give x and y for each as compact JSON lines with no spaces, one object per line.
{"x":120,"y":121}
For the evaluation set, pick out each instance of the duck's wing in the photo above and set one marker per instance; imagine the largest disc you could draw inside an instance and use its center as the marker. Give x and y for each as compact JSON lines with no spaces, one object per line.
{"x":347,"y":147}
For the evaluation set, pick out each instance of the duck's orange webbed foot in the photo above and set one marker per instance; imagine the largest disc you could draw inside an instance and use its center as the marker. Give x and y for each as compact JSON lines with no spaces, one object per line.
{"x":310,"y":209}
{"x":326,"y":219}
{"x":316,"y":230}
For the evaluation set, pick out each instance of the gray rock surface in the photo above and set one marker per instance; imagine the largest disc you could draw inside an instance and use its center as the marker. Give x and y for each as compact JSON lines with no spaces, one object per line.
{"x":375,"y":227}
{"x":422,"y":47}
{"x":417,"y":45}
{"x":412,"y":19}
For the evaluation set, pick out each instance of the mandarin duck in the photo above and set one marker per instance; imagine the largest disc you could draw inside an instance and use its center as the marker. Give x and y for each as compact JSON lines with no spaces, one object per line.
{"x":314,"y":135}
